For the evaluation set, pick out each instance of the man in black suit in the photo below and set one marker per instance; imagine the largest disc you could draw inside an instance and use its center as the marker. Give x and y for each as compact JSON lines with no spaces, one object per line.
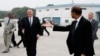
{"x":80,"y":34}
{"x":13,"y":40}
{"x":30,"y":28}
{"x":44,"y":28}
{"x":0,"y":24}
{"x":20,"y":33}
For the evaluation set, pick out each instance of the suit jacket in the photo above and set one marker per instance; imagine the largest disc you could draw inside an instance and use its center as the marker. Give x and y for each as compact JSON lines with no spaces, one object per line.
{"x":0,"y":24}
{"x":94,"y":29}
{"x":81,"y":41}
{"x":19,"y":27}
{"x":11,"y":26}
{"x":30,"y":33}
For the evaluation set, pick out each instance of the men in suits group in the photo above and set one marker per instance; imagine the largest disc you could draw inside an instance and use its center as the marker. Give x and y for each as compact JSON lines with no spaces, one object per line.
{"x":94,"y":24}
{"x":31,"y":28}
{"x":9,"y":28}
{"x":80,"y":34}
{"x":80,"y":39}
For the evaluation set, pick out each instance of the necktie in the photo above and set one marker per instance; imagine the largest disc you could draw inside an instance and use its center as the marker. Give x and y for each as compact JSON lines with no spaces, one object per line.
{"x":74,"y":26}
{"x":8,"y":21}
{"x":30,"y":21}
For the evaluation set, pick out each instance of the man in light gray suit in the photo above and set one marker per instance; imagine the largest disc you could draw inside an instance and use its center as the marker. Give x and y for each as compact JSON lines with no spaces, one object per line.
{"x":9,"y":28}
{"x":94,"y":24}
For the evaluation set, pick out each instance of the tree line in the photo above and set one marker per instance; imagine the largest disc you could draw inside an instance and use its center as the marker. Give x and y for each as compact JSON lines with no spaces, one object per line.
{"x":18,"y":12}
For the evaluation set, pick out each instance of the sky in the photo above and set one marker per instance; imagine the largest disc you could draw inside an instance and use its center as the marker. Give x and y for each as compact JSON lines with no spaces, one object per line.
{"x":10,"y":4}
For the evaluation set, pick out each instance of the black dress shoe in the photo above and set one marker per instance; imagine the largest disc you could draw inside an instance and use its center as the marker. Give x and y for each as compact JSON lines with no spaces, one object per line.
{"x":48,"y":34}
{"x":17,"y":46}
{"x":10,"y":46}
{"x":5,"y":51}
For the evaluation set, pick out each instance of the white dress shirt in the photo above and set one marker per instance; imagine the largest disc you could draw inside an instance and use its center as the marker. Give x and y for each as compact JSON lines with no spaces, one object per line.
{"x":90,"y":20}
{"x":30,"y":19}
{"x":78,"y":20}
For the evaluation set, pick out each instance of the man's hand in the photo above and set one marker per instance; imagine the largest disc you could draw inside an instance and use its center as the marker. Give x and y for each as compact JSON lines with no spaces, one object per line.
{"x":23,"y":31}
{"x":47,"y":24}
{"x":38,"y":36}
{"x":83,"y":55}
{"x":10,"y":31}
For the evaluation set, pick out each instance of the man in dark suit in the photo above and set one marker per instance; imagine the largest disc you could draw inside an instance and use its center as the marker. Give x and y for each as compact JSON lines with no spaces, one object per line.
{"x":0,"y":24}
{"x":44,"y":28}
{"x":94,"y":24}
{"x":13,"y":40}
{"x":80,"y":34}
{"x":20,"y":33}
{"x":31,"y":28}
